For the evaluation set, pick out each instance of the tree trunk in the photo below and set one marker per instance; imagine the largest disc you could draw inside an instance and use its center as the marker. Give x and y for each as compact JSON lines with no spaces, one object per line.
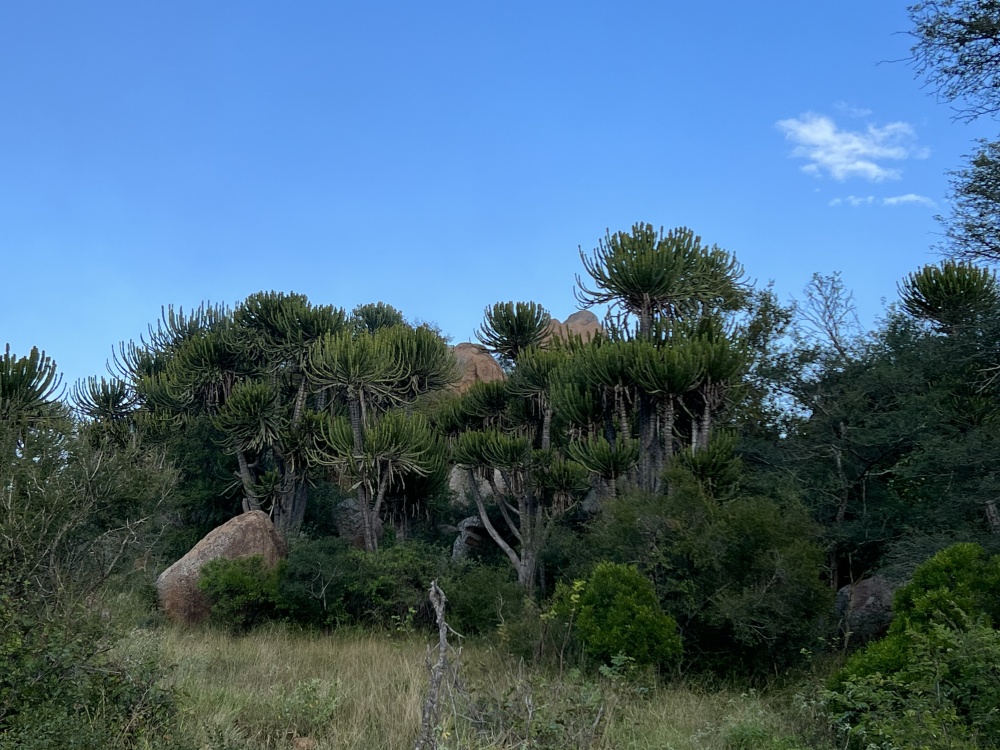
{"x":546,"y":426}
{"x":490,"y":528}
{"x":526,"y":570}
{"x":993,"y":516}
{"x":647,"y":444}
{"x":250,"y":499}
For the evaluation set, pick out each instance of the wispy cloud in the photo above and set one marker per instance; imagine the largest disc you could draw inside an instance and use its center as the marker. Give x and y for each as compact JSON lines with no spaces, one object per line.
{"x":854,"y":200}
{"x":852,"y":111}
{"x":870,"y":200}
{"x":898,"y":200}
{"x":845,"y":153}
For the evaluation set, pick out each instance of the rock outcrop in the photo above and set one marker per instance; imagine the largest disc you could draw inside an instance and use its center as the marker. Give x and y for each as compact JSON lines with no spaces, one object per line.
{"x":582,"y":323}
{"x":470,"y":535}
{"x":864,"y":608}
{"x":246,"y":535}
{"x":475,"y":365}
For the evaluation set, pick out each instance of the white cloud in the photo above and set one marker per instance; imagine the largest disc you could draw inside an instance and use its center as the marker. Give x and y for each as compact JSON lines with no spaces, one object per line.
{"x":852,"y":111}
{"x":869,"y":200}
{"x":898,"y":200}
{"x":845,"y":153}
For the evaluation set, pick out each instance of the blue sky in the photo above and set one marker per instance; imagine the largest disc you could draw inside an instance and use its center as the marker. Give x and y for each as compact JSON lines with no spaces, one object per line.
{"x":442,"y":156}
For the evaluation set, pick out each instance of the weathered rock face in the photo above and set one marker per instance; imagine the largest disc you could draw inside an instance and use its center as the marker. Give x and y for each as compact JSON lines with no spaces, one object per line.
{"x":864,"y":608}
{"x":475,"y":365}
{"x":470,"y":535}
{"x":461,"y":485}
{"x":583,"y":324}
{"x":244,"y":536}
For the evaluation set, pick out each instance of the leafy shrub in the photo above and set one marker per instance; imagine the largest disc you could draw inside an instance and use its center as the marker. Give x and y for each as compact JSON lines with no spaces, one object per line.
{"x":61,"y":687}
{"x":243,"y":592}
{"x":934,"y":681}
{"x":481,"y":597}
{"x":389,"y":587}
{"x":742,"y":577}
{"x":959,"y":580}
{"x":314,"y":580}
{"x":619,"y":614}
{"x":946,"y":696}
{"x":326,"y":582}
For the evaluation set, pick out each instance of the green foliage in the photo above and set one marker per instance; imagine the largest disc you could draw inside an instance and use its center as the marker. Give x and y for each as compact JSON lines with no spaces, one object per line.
{"x":960,"y":581}
{"x":619,"y":614}
{"x":741,"y":577}
{"x":243,"y":592}
{"x":510,"y":328}
{"x":375,"y":316}
{"x":71,"y":511}
{"x":936,"y":677}
{"x":951,"y":294}
{"x":649,"y":274}
{"x":937,"y":688}
{"x":326,"y":582}
{"x":481,"y":598}
{"x":61,"y":688}
{"x":29,"y":386}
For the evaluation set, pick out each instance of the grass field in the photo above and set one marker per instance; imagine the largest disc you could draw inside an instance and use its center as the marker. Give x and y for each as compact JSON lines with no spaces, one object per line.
{"x":356,"y":690}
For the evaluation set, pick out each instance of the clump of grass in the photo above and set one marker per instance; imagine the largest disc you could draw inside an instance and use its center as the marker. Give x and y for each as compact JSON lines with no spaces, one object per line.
{"x":353,"y":690}
{"x":364,"y":690}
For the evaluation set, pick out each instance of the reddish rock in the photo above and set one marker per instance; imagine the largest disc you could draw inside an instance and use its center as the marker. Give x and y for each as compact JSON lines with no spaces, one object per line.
{"x":475,"y":365}
{"x":244,"y":536}
{"x":583,"y":324}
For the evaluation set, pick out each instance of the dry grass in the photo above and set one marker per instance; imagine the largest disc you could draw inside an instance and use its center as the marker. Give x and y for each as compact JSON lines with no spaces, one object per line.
{"x":364,"y":691}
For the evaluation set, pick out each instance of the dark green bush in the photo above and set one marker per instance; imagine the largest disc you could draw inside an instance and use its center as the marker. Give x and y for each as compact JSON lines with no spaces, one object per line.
{"x":243,"y":592}
{"x":936,"y":688}
{"x":326,"y":582}
{"x":481,"y":597}
{"x":620,"y":614}
{"x":934,"y":681}
{"x":742,"y":577}
{"x":960,"y":580}
{"x":389,"y":588}
{"x":314,"y":580}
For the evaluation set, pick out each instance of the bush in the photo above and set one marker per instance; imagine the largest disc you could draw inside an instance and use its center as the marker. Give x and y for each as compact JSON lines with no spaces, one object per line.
{"x":314,"y":580}
{"x":243,"y":592}
{"x":326,"y":582}
{"x":960,"y":580}
{"x":934,"y":681}
{"x":741,"y":576}
{"x":947,"y":694}
{"x":62,"y":687}
{"x":481,"y":597}
{"x":619,"y":615}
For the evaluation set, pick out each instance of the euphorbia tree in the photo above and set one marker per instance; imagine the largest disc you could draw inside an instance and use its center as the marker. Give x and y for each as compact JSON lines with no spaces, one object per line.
{"x":374,"y":374}
{"x":538,"y":487}
{"x":652,"y":282}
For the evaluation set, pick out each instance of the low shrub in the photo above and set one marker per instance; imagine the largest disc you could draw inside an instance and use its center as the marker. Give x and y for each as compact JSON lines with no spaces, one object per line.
{"x":243,"y":592}
{"x":482,"y":597}
{"x":959,"y":581}
{"x":62,"y":687}
{"x":934,"y":681}
{"x":619,"y":615}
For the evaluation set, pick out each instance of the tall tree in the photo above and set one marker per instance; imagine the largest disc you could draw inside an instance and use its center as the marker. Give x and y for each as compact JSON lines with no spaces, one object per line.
{"x":654,"y":281}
